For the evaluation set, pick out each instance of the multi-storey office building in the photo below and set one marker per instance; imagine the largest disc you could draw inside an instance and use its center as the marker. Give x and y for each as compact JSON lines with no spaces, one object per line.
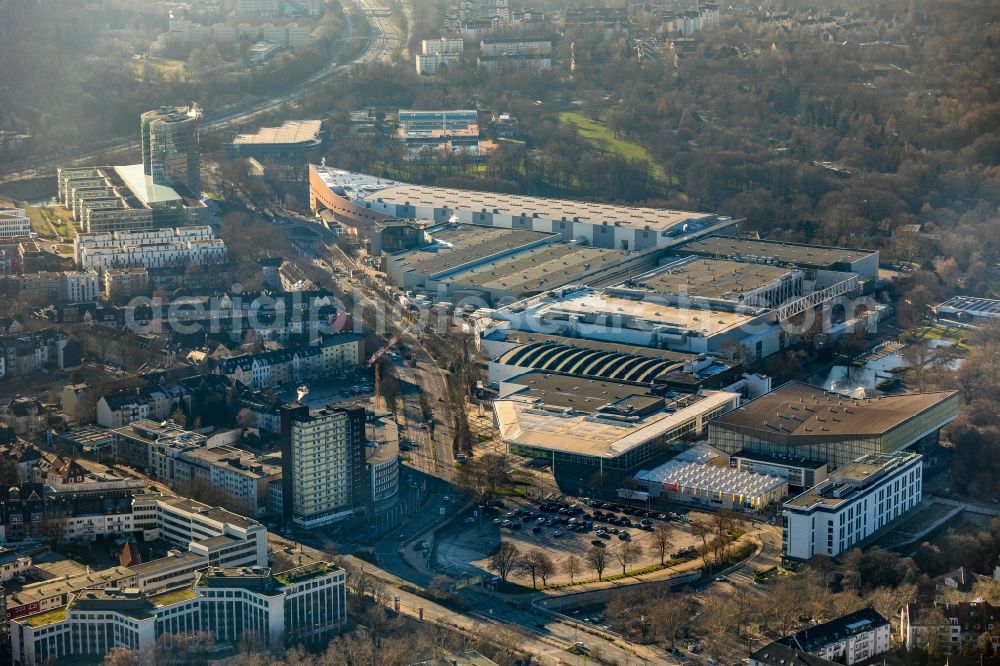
{"x":170,"y":151}
{"x":323,"y":464}
{"x":14,"y":223}
{"x":852,"y":504}
{"x":302,"y":605}
{"x":115,"y":198}
{"x":223,"y":537}
{"x":176,"y":569}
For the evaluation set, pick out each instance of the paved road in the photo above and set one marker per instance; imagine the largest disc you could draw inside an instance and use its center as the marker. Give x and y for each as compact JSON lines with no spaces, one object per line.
{"x":425,"y":376}
{"x":382,"y":44}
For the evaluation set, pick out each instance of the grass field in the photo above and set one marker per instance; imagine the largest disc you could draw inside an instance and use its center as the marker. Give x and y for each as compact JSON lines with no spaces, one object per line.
{"x":44,"y":219}
{"x":958,"y":337}
{"x":601,"y":136}
{"x":165,"y":66}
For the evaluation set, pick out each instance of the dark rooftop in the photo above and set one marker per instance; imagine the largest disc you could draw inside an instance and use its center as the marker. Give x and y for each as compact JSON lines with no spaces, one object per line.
{"x":799,"y":410}
{"x":810,"y":256}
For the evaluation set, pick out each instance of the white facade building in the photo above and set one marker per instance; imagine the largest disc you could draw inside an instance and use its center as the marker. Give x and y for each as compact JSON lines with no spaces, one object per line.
{"x":222,"y":537}
{"x":854,"y":502}
{"x":428,"y":65}
{"x":154,"y":248}
{"x":298,"y":606}
{"x":13,"y":565}
{"x":14,"y":223}
{"x":82,"y":286}
{"x":849,"y":639}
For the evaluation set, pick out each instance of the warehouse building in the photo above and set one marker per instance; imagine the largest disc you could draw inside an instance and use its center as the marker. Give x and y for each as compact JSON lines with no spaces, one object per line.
{"x":359,"y":201}
{"x":806,"y":422}
{"x":615,"y":316}
{"x":488,"y":265}
{"x":689,"y":481}
{"x":605,"y":425}
{"x":605,"y":361}
{"x":817,"y":261}
{"x":692,"y":305}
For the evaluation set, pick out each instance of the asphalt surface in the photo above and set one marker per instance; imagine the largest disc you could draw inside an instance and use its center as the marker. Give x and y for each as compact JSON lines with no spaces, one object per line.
{"x":383,"y":42}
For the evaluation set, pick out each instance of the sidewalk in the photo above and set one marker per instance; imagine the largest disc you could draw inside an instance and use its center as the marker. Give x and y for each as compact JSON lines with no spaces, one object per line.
{"x":425,"y":566}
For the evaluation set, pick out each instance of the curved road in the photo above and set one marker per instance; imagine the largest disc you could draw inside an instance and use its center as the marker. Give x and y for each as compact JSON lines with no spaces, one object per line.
{"x":383,"y":41}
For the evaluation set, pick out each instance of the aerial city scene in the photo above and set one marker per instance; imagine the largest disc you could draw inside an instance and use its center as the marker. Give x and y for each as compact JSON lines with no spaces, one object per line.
{"x":499,"y":332}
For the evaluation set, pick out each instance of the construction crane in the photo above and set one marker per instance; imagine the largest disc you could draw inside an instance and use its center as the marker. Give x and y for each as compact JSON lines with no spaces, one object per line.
{"x":384,"y":349}
{"x":379,"y":353}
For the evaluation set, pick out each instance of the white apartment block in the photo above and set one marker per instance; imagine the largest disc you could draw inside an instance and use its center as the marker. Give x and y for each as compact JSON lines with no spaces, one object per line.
{"x":258,"y":7}
{"x":13,"y":565}
{"x":68,"y":286}
{"x":440,"y":46}
{"x":301,"y":605}
{"x":688,"y":22}
{"x":514,"y":47}
{"x":155,"y":255}
{"x":14,"y":223}
{"x":224,"y":538}
{"x":849,"y":639}
{"x":82,"y":286}
{"x":428,"y":65}
{"x":853,"y":503}
{"x":154,"y":248}
{"x":435,"y":53}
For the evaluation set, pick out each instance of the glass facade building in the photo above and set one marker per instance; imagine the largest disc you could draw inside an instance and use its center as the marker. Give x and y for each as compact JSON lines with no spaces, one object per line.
{"x":170,"y":151}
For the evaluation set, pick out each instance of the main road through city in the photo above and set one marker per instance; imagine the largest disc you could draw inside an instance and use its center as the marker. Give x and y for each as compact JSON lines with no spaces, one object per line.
{"x":384,"y":40}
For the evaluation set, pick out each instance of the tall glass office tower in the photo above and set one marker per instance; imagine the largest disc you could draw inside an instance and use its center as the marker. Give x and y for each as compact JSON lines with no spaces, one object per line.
{"x":170,"y":152}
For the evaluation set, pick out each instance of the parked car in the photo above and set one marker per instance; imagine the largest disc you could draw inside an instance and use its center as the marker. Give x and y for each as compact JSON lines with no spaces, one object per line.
{"x":597,"y":543}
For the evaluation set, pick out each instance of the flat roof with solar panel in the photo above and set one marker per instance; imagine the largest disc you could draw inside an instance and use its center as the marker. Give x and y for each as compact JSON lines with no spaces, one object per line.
{"x":961,"y":307}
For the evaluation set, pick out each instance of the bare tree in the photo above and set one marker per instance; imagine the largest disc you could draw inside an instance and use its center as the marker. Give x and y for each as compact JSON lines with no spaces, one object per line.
{"x":671,"y":618}
{"x":598,"y":559}
{"x":702,"y":529}
{"x":571,"y":567}
{"x":661,"y":540}
{"x":723,"y":525}
{"x":529,"y":564}
{"x":505,"y":560}
{"x":482,"y":477}
{"x":628,"y":553}
{"x":545,"y":568}
{"x":120,"y":656}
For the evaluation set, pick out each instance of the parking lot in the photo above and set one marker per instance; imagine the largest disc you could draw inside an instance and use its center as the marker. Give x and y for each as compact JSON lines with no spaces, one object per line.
{"x":561,"y":529}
